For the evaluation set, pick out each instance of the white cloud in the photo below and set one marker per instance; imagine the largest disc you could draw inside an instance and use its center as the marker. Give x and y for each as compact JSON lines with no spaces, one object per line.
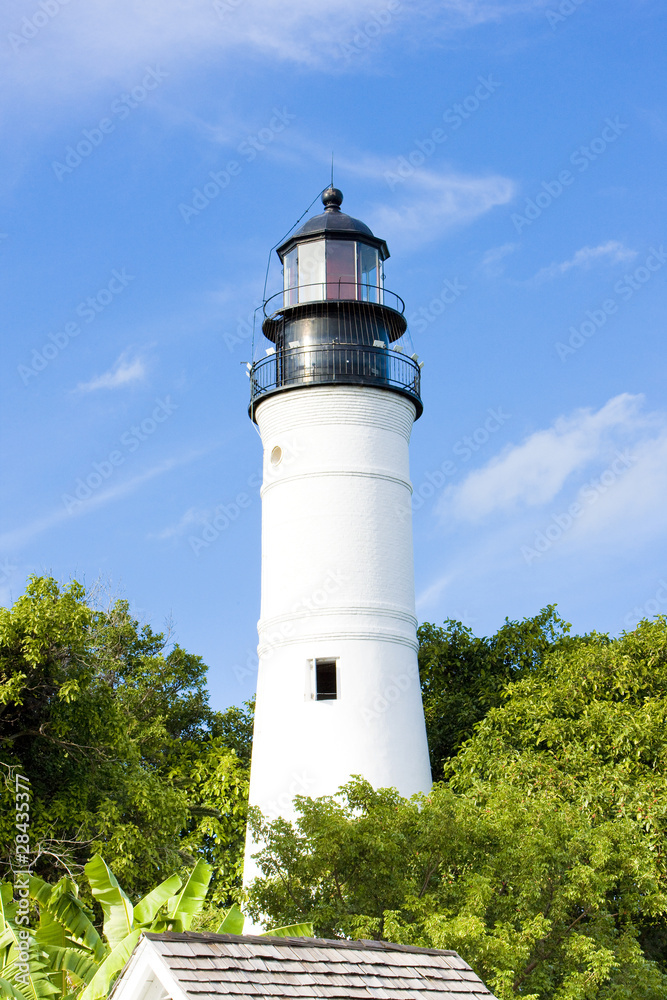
{"x":575,"y":505}
{"x":614,"y":513}
{"x":532,"y":473}
{"x":121,"y":373}
{"x":16,"y":538}
{"x":431,"y":203}
{"x":495,"y":254}
{"x":192,"y":518}
{"x":421,"y":206}
{"x":431,"y":594}
{"x":90,"y":41}
{"x":629,"y":497}
{"x":491,"y":261}
{"x":612,"y":252}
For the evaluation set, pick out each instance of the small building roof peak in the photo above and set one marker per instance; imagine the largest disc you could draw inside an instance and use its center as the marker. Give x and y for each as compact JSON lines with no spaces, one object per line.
{"x":188,"y":965}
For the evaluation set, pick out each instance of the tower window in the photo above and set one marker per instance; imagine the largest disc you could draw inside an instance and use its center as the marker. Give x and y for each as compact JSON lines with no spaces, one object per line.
{"x":325,"y":680}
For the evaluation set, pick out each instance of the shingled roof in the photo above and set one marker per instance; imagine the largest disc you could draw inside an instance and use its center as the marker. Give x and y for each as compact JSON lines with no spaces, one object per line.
{"x":193,"y":966}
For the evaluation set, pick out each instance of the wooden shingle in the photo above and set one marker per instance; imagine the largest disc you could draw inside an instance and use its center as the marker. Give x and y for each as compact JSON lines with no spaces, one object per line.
{"x":215,"y":966}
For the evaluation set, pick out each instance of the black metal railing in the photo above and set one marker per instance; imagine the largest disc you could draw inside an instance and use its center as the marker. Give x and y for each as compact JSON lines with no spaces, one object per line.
{"x":345,"y":321}
{"x":335,"y":363}
{"x":335,"y":290}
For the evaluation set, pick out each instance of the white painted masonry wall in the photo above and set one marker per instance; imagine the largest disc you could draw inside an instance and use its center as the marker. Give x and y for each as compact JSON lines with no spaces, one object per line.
{"x":337,"y":583}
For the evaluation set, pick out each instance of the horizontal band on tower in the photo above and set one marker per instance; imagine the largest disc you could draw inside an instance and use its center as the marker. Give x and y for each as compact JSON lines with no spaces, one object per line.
{"x":373,"y":611}
{"x":396,"y":638}
{"x":338,"y":473}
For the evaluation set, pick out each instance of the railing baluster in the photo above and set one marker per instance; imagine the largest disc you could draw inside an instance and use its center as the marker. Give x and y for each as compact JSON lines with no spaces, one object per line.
{"x":308,"y":366}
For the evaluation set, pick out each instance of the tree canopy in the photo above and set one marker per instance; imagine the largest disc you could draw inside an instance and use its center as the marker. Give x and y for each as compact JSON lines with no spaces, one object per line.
{"x":121,"y":749}
{"x":540,"y":856}
{"x":539,"y":853}
{"x":463,"y":675}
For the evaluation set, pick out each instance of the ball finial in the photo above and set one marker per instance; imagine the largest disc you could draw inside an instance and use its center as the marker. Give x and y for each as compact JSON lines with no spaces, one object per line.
{"x":331,"y":199}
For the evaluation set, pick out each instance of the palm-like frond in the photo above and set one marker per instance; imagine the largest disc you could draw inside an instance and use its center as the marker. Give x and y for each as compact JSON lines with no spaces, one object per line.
{"x":146,"y":908}
{"x":67,"y":911}
{"x":233,"y":922}
{"x":115,"y":903}
{"x":100,"y":984}
{"x":290,"y":930}
{"x":183,"y":907}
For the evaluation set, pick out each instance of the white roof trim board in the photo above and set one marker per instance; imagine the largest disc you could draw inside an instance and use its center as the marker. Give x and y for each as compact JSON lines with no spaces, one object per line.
{"x":193,"y":966}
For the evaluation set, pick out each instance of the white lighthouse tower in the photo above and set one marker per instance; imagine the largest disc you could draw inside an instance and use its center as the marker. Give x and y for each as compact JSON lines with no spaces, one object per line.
{"x":335,"y":399}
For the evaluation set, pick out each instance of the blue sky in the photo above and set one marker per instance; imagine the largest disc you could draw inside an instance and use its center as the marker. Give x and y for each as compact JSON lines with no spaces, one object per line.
{"x":511,"y":153}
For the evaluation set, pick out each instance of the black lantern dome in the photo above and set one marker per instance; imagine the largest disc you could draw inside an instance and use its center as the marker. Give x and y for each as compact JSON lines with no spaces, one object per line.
{"x":333,"y":222}
{"x":334,"y":321}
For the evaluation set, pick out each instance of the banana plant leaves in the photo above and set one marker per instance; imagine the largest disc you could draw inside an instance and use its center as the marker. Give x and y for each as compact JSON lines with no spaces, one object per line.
{"x":182,"y":908}
{"x":116,"y":904}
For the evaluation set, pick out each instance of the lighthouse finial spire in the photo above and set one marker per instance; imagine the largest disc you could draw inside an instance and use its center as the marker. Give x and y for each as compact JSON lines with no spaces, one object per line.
{"x":332,"y":199}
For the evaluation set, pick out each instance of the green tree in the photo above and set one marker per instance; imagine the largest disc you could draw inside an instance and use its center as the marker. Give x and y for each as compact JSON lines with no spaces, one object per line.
{"x":66,"y":957}
{"x":540,"y":857}
{"x":122,"y":751}
{"x":463,"y":676}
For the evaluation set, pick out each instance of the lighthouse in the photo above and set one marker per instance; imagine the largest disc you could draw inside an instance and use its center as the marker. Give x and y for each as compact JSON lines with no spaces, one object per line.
{"x":334,"y":397}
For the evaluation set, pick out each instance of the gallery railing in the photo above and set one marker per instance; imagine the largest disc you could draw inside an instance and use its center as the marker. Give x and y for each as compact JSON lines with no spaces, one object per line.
{"x":335,"y":363}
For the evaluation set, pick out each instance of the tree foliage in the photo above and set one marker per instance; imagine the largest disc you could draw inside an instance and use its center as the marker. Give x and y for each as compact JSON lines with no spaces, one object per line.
{"x":540,"y":856}
{"x":463,"y":676}
{"x":121,"y":749}
{"x":66,"y":957}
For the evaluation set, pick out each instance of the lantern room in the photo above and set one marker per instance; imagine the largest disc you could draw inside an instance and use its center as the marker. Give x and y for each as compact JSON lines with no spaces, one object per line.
{"x":334,"y":320}
{"x":332,"y":257}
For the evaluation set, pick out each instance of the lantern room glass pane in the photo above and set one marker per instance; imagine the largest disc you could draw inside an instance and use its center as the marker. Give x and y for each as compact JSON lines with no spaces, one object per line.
{"x":341,"y":269}
{"x":369,"y":274}
{"x":311,"y":271}
{"x":290,"y":279}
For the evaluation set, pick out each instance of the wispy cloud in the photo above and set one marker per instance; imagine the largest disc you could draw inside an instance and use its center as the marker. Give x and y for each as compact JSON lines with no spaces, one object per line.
{"x":491,"y":264}
{"x":121,"y":373}
{"x":634,"y":507}
{"x":192,"y":518}
{"x":467,"y":13}
{"x":581,"y":496}
{"x":425,"y":204}
{"x":89,"y":42}
{"x":431,"y":203}
{"x":431,"y":594}
{"x":532,"y":473}
{"x":16,"y":538}
{"x":611,"y":252}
